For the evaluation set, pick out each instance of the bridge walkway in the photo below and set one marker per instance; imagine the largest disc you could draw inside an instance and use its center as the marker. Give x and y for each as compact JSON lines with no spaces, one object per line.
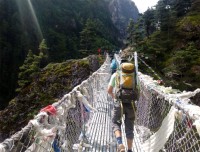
{"x":100,"y":135}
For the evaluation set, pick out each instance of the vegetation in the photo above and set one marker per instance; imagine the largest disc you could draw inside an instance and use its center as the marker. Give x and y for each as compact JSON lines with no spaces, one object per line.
{"x":48,"y":85}
{"x":167,"y":38}
{"x":70,"y":29}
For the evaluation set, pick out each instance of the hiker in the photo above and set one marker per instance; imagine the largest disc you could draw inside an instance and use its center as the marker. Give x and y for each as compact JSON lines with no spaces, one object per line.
{"x":113,"y":66}
{"x":99,"y":51}
{"x":122,"y":88}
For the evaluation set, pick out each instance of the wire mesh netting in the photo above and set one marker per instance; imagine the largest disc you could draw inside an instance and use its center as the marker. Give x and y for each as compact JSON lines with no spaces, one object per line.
{"x":164,"y":121}
{"x":151,"y":108}
{"x":183,"y":138}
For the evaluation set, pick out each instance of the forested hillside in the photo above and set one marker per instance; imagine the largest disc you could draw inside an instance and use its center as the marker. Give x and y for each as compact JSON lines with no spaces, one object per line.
{"x":70,"y":29}
{"x":47,"y":86}
{"x":167,"y":38}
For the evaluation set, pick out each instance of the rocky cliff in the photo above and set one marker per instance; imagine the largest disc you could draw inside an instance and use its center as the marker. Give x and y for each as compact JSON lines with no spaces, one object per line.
{"x":122,"y":11}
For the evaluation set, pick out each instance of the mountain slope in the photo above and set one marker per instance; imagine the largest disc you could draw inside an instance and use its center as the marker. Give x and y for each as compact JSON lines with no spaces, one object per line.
{"x":63,"y":24}
{"x":122,"y":11}
{"x":51,"y":84}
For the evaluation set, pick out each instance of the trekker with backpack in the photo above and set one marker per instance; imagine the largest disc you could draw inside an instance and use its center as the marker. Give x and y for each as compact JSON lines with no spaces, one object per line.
{"x":122,"y":88}
{"x":113,"y":66}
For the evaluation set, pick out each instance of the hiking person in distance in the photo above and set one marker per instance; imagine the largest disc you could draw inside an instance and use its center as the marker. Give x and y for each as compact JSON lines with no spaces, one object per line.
{"x":113,"y":65}
{"x":122,"y":88}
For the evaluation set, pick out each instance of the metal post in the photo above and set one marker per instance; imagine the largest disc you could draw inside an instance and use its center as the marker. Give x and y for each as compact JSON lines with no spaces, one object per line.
{"x":136,"y":66}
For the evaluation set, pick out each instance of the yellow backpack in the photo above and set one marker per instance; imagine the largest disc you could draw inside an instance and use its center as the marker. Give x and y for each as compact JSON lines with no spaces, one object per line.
{"x":126,"y":89}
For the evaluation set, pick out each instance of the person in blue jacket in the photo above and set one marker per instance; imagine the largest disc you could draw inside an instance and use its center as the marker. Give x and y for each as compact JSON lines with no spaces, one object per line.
{"x":113,"y":65}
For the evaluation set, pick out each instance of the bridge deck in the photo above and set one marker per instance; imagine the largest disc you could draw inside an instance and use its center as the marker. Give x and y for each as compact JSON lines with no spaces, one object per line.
{"x":100,"y":134}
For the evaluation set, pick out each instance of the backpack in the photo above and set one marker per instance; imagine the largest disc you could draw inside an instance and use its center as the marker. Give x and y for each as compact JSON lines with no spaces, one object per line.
{"x":113,"y":64}
{"x":126,"y":89}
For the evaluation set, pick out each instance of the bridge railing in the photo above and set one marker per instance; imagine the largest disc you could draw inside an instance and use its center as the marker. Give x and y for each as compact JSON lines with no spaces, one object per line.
{"x":165,"y":119}
{"x":169,"y":121}
{"x":66,"y":129}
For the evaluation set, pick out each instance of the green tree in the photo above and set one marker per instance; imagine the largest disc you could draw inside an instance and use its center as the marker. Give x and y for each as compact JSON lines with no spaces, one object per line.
{"x":162,"y":14}
{"x":28,"y":70}
{"x":181,"y":7}
{"x":43,"y":47}
{"x":138,"y":34}
{"x":88,"y":35}
{"x":149,"y":21}
{"x":43,"y":55}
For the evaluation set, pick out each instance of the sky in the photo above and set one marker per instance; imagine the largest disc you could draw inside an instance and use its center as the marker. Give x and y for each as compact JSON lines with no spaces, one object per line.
{"x":143,"y":5}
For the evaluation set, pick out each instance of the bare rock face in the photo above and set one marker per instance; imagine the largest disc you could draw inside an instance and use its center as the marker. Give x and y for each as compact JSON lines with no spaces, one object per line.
{"x":94,"y":63}
{"x":82,"y":70}
{"x":122,"y":11}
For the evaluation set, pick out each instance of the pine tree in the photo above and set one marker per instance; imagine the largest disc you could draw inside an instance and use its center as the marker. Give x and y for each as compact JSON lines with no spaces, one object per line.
{"x":181,"y":7}
{"x":43,"y":55}
{"x":88,"y":35}
{"x":28,"y":70}
{"x":139,"y":34}
{"x":149,"y":22}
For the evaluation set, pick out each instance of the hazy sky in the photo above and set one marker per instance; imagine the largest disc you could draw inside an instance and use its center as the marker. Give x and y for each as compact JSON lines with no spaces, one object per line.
{"x":143,"y":5}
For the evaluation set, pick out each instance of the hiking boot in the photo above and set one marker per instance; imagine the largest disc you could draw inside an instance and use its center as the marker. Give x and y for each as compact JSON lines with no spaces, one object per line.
{"x":121,"y":148}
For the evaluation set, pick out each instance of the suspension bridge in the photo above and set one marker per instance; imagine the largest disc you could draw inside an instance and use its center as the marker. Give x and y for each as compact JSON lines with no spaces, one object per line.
{"x":166,"y":120}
